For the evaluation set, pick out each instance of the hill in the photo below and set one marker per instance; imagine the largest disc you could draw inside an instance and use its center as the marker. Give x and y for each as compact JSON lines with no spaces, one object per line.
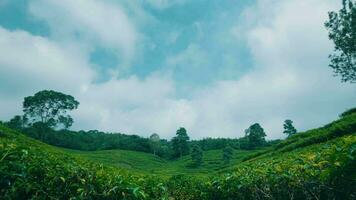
{"x":148,"y":163}
{"x":317,"y":164}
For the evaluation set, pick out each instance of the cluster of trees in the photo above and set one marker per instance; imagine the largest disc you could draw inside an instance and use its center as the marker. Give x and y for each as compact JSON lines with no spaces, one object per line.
{"x":46,"y":118}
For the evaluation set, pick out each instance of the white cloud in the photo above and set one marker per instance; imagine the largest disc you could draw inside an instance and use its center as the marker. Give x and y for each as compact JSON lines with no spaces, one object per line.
{"x":191,"y":57}
{"x":133,"y":106}
{"x":163,"y":4}
{"x":91,"y":22}
{"x":30,"y":63}
{"x":290,"y":78}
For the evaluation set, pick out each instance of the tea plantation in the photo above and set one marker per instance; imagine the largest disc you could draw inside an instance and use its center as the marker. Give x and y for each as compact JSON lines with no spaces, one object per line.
{"x":316,"y":164}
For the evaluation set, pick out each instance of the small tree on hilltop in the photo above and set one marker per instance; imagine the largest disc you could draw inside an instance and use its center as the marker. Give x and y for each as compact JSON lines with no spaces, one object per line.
{"x":180,"y":143}
{"x":50,"y":107}
{"x":228,"y":152}
{"x":197,"y":155}
{"x":342,"y":30}
{"x":289,"y":129}
{"x":256,"y":136}
{"x":154,"y":142}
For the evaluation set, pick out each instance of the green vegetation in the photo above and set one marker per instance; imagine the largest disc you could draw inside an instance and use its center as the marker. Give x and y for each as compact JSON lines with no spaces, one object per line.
{"x":342,"y":31}
{"x":256,"y":136}
{"x":155,"y":142}
{"x":197,"y":156}
{"x":49,"y":108}
{"x":227,"y":154}
{"x":317,"y":164}
{"x":180,"y":143}
{"x":289,"y":129}
{"x":144,"y":163}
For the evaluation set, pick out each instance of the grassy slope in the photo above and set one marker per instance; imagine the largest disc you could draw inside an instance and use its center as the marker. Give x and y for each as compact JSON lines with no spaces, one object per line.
{"x":314,"y":156}
{"x":148,"y":163}
{"x":138,"y":161}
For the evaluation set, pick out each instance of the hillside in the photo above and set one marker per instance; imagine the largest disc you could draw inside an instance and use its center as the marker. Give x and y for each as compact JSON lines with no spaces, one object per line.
{"x":148,"y":163}
{"x":317,"y":164}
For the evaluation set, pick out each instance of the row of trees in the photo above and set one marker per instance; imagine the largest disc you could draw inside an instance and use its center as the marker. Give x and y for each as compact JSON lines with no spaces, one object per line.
{"x":254,"y":135}
{"x":45,"y":118}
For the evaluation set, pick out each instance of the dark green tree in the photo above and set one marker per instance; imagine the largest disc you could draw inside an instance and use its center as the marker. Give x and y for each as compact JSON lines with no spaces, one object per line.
{"x":342,"y":31}
{"x":289,"y":129}
{"x":17,"y":122}
{"x":228,"y":152}
{"x":154,"y":142}
{"x":197,"y":155}
{"x":50,"y":108}
{"x":256,"y":136}
{"x":180,"y":143}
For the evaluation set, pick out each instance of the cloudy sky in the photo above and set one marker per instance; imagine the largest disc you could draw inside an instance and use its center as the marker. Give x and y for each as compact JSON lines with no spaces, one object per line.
{"x":144,"y":66}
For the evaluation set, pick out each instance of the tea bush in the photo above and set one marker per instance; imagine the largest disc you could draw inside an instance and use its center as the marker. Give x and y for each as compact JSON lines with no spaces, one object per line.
{"x":319,"y":164}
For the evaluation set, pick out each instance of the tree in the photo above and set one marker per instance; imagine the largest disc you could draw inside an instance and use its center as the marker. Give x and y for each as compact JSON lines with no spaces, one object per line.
{"x":50,"y":107}
{"x":180,"y":143}
{"x":17,"y":122}
{"x":197,"y":155}
{"x":289,"y":129}
{"x":342,"y":30}
{"x":256,"y":136}
{"x":154,"y":142}
{"x":228,"y":152}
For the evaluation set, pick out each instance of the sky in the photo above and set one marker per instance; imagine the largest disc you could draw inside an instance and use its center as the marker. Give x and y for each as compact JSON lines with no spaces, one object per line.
{"x":152,"y":66}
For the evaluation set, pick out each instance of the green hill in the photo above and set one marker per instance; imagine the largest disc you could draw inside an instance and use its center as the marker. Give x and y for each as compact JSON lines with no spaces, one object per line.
{"x":148,"y":163}
{"x":317,"y":164}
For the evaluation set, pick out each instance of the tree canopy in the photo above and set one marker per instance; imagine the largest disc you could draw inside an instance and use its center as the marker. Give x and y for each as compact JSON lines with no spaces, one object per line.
{"x":256,"y":135}
{"x":50,"y":107}
{"x":342,"y":31}
{"x":180,"y":143}
{"x":154,"y":142}
{"x":289,"y":129}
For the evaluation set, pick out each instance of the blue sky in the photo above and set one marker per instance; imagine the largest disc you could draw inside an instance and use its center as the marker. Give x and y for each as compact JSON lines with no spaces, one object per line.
{"x":140,"y":67}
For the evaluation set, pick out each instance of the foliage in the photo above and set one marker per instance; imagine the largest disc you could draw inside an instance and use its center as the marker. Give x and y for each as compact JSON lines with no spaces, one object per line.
{"x":30,"y":170}
{"x":256,"y":136}
{"x":321,"y":170}
{"x":17,"y":122}
{"x":289,"y":129}
{"x":50,"y":107}
{"x":154,"y":142}
{"x":228,"y":152}
{"x":88,"y":140}
{"x":342,"y":30}
{"x":180,"y":143}
{"x":348,"y":112}
{"x":302,"y":174}
{"x":197,"y":155}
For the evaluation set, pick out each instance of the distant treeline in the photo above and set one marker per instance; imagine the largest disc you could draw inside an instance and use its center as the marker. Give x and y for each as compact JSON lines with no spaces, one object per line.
{"x":97,"y":140}
{"x":45,"y":118}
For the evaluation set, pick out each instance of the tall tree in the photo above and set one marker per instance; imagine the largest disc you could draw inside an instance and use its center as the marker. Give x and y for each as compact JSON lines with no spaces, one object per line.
{"x":342,"y":30}
{"x":228,"y":152}
{"x":256,"y":135}
{"x":289,"y":129}
{"x":180,"y":143}
{"x":50,"y":108}
{"x":154,"y":142}
{"x":197,"y":155}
